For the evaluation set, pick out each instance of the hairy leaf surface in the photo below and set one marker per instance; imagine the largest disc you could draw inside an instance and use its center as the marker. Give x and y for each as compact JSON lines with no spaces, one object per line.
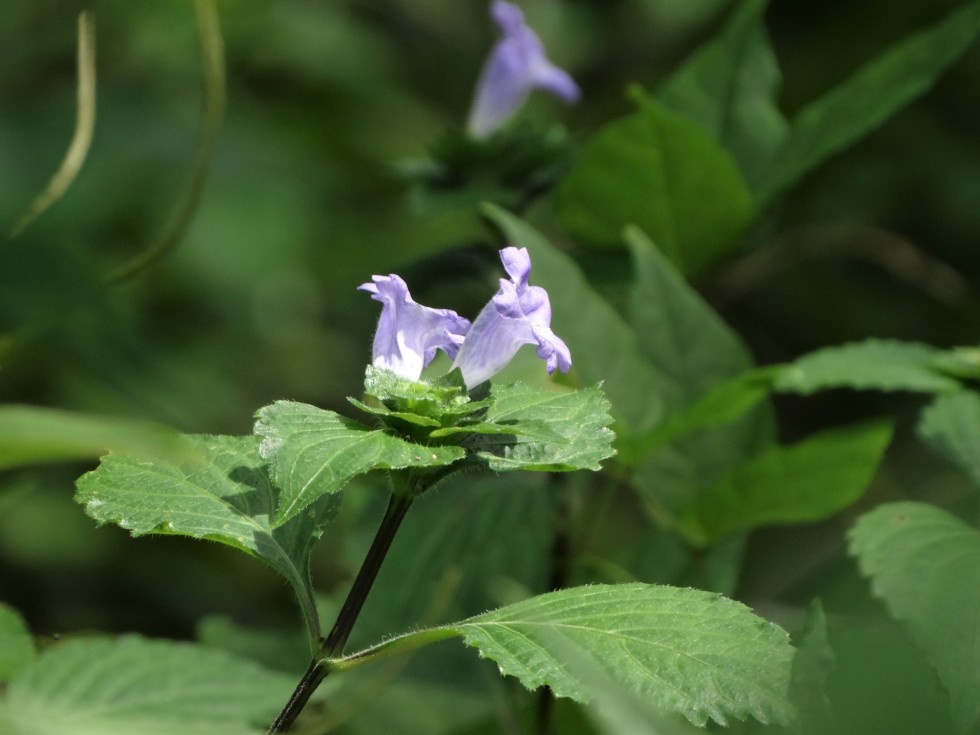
{"x":223,"y":495}
{"x":313,"y":452}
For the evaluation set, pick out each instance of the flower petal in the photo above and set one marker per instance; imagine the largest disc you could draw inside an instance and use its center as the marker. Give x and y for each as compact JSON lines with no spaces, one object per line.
{"x":408,"y":333}
{"x":518,"y":314}
{"x":516,"y":65}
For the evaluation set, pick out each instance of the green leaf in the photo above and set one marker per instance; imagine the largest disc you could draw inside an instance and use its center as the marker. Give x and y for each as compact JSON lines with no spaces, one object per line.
{"x":16,"y":643}
{"x":135,"y":686}
{"x":604,"y":348}
{"x":872,"y":95}
{"x":952,"y":425}
{"x":925,"y":564}
{"x":692,"y":350}
{"x":313,"y":452}
{"x":874,"y":364}
{"x":557,"y":432}
{"x":812,"y":665}
{"x":224,"y":495}
{"x":681,"y":650}
{"x":807,"y":481}
{"x":723,"y":404}
{"x":729,"y":87}
{"x":663,"y":173}
{"x":30,"y":434}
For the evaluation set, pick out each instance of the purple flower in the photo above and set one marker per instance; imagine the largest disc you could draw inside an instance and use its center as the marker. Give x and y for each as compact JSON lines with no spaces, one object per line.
{"x":516,"y":65}
{"x":408,"y":333}
{"x":519,"y":314}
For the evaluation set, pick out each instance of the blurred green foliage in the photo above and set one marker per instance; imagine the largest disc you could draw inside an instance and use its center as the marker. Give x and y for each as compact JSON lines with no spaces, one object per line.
{"x":306,"y":198}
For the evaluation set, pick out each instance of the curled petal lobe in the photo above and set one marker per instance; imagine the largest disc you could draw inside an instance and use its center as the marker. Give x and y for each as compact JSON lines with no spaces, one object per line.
{"x":516,"y":65}
{"x":517,"y":315}
{"x":408,"y":333}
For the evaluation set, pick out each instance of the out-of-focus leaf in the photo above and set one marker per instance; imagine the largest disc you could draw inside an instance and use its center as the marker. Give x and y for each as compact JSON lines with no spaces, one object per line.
{"x":872,"y":95}
{"x":925,"y":564}
{"x":604,"y":348}
{"x":729,"y":87}
{"x":224,"y":495}
{"x":807,"y":481}
{"x":31,"y":434}
{"x":135,"y":686}
{"x":721,"y":405}
{"x":870,"y":365}
{"x":557,"y":432}
{"x":16,"y":643}
{"x":812,"y":664}
{"x":693,"y":350}
{"x":313,"y":452}
{"x":663,"y":173}
{"x":952,"y":425}
{"x":681,"y":650}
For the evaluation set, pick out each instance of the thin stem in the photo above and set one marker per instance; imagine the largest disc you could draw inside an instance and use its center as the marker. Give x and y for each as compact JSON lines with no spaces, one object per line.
{"x":213,"y":60}
{"x":334,"y":643}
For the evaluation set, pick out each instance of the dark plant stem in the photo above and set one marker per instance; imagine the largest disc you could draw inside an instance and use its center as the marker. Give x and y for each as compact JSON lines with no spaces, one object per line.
{"x":333,"y":644}
{"x":560,"y":562}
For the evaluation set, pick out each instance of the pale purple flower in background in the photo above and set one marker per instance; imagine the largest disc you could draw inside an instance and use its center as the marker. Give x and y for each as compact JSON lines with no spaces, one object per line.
{"x":517,"y":315}
{"x":408,"y":333}
{"x":516,"y":65}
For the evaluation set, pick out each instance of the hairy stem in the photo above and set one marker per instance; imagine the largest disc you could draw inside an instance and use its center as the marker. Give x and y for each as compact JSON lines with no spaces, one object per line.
{"x":333,"y":644}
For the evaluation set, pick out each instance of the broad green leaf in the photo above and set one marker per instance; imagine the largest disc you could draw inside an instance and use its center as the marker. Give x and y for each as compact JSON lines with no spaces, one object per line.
{"x":872,"y":95}
{"x":925,"y":564}
{"x":874,"y":364}
{"x":224,"y":495}
{"x":604,"y":348}
{"x":683,"y":651}
{"x":16,"y":643}
{"x":952,"y":425}
{"x":313,"y":452}
{"x":31,"y":434}
{"x":693,"y":350}
{"x":807,"y":481}
{"x":135,"y":686}
{"x":663,"y":173}
{"x":558,"y":432}
{"x":729,"y":87}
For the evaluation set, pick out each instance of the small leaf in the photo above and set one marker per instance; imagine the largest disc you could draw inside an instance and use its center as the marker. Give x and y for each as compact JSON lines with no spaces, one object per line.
{"x":682,"y":650}
{"x":135,"y":686}
{"x":807,"y":481}
{"x":952,"y":425}
{"x":872,"y":95}
{"x":870,"y":365}
{"x":557,"y":432}
{"x":16,"y":643}
{"x":925,"y":564}
{"x":224,"y":495}
{"x":663,"y":173}
{"x":314,"y":452}
{"x":729,"y":87}
{"x":31,"y":434}
{"x":723,"y":404}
